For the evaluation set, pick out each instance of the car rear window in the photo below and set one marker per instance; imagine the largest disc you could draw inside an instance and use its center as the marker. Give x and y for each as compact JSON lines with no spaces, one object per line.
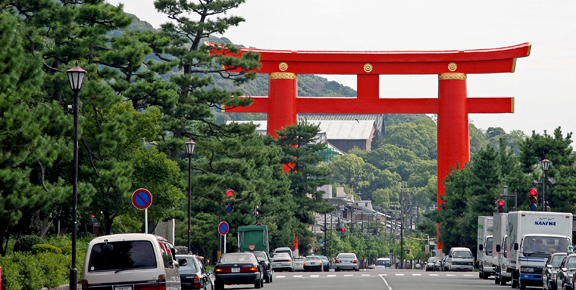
{"x":313,"y":258}
{"x":281,"y":256}
{"x":121,"y":256}
{"x":238,"y":258}
{"x":190,"y":267}
{"x":346,"y":256}
{"x":462,"y":254}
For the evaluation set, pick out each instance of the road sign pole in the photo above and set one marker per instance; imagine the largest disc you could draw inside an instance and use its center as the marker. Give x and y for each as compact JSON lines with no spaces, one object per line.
{"x":225,"y":244}
{"x":146,"y":221}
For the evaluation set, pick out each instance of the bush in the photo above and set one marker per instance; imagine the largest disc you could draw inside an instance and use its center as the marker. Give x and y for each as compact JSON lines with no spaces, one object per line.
{"x":66,"y":250}
{"x":44,"y":248}
{"x":25,"y":243}
{"x":31,"y":274}
{"x":11,"y":278}
{"x":55,"y":267}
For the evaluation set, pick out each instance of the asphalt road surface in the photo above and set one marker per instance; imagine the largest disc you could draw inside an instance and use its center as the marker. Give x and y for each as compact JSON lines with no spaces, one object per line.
{"x":378,"y":279}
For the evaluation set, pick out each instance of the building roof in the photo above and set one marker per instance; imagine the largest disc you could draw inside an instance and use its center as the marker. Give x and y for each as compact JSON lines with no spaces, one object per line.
{"x":334,"y":129}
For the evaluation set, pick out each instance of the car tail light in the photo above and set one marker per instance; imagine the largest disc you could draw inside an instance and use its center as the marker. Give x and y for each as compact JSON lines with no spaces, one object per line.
{"x":223,"y":270}
{"x":197,"y":284}
{"x":304,"y":264}
{"x":248,"y":269}
{"x":355,"y":262}
{"x":160,"y":285}
{"x":84,"y":284}
{"x":336,"y":261}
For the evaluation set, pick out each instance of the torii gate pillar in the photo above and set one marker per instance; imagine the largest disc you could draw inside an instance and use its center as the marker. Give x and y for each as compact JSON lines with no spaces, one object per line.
{"x":283,"y":90}
{"x":453,"y":137}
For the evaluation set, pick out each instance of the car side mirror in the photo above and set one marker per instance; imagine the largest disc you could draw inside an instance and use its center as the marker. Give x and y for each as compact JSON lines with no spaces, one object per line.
{"x":516,"y":247}
{"x":498,"y":248}
{"x":481,"y":247}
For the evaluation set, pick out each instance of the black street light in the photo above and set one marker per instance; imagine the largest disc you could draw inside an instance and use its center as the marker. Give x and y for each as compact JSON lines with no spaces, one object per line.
{"x":190,"y":145}
{"x":76,"y":76}
{"x":545,"y":166}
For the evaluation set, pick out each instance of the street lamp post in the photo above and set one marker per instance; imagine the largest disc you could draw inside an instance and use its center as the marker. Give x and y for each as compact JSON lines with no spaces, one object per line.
{"x":545,"y":166}
{"x":76,"y":77}
{"x":190,"y":145}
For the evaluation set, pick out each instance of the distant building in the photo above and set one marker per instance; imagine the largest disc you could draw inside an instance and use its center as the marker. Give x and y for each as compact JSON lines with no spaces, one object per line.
{"x":341,"y":135}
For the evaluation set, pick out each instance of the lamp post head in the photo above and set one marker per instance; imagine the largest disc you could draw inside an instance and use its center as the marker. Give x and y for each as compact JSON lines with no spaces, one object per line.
{"x":505,"y":189}
{"x":545,"y":164}
{"x":190,"y":145}
{"x":76,"y":77}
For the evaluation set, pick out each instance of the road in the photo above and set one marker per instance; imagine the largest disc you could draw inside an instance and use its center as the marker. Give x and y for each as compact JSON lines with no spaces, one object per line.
{"x":379,"y":279}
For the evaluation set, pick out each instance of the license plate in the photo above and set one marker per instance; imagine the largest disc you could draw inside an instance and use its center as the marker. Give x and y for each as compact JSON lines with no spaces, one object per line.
{"x":235,"y":270}
{"x":123,"y":288}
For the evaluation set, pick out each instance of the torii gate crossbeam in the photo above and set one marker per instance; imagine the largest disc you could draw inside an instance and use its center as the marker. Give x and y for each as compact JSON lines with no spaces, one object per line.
{"x":452,"y":105}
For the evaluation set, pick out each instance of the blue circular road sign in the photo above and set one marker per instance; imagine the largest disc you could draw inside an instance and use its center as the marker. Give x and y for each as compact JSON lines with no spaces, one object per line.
{"x":223,"y":228}
{"x":142,"y":198}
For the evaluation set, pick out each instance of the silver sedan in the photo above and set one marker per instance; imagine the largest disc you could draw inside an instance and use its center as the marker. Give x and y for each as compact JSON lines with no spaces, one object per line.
{"x":346,"y":261}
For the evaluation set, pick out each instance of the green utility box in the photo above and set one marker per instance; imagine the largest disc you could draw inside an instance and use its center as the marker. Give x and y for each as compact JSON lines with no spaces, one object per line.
{"x":253,"y":238}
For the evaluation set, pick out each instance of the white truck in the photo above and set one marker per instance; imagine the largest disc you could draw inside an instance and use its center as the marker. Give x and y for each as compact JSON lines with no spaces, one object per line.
{"x":533,"y":236}
{"x":500,"y":249}
{"x":484,"y":247}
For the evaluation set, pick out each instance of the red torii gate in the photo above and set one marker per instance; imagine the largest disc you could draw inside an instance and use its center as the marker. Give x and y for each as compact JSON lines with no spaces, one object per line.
{"x":452,"y":105}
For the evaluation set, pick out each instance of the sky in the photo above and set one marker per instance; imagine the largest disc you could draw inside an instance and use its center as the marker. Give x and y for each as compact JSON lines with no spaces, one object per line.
{"x":543,"y":85}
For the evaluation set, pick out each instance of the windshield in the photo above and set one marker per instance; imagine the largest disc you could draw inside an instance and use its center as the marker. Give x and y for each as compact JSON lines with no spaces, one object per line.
{"x":121,"y":255}
{"x":462,"y":255}
{"x":544,"y":246}
{"x":557,"y":261}
{"x":489,"y":244}
{"x":383,"y":262}
{"x":571,"y":263}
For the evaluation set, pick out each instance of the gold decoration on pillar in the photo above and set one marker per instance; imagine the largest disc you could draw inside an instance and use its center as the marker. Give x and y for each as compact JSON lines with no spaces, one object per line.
{"x":283,"y":76}
{"x":452,"y":76}
{"x":283,"y":66}
{"x":452,"y":66}
{"x":368,"y":67}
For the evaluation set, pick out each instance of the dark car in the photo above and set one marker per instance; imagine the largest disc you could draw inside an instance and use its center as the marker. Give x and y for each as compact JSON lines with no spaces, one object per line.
{"x":238,"y":268}
{"x":444,"y":264}
{"x":313,"y":263}
{"x":565,"y":273}
{"x":430,"y":264}
{"x":551,"y":269}
{"x":193,"y":275}
{"x":266,"y":265}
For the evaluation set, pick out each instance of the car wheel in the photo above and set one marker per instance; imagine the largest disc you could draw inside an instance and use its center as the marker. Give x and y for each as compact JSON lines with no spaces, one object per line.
{"x":521,"y":285}
{"x":357,"y":269}
{"x":480,"y":274}
{"x":502,"y":280}
{"x":270,"y":278}
{"x":485,"y":275}
{"x":258,"y":284}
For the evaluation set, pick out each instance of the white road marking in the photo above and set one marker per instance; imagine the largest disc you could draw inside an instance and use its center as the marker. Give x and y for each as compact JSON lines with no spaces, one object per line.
{"x":348,"y":275}
{"x":399,"y":274}
{"x":416,"y":274}
{"x":314,"y":276}
{"x":365,"y":275}
{"x":385,"y":282}
{"x":434,"y":275}
{"x":297,"y":276}
{"x":450,"y":275}
{"x":331,"y":275}
{"x":469,"y":275}
{"x":280,"y":276}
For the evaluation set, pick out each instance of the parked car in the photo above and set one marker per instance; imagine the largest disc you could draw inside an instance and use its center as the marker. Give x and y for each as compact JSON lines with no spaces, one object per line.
{"x":313,"y":263}
{"x":238,"y":268}
{"x":460,"y":259}
{"x":299,"y":263}
{"x":551,"y":268}
{"x":346,"y":261}
{"x":383,"y":263}
{"x":137,"y":260}
{"x":566,"y":272}
{"x":266,"y":265}
{"x":282,"y":262}
{"x":431,"y":263}
{"x":193,"y":275}
{"x":325,"y":263}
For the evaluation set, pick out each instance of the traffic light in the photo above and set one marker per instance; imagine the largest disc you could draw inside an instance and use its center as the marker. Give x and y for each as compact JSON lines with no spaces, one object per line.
{"x":229,"y":192}
{"x":533,"y":198}
{"x":501,"y":205}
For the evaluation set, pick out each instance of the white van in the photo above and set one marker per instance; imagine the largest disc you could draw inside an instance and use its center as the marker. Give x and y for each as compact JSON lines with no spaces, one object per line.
{"x":130,"y":262}
{"x":460,"y":259}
